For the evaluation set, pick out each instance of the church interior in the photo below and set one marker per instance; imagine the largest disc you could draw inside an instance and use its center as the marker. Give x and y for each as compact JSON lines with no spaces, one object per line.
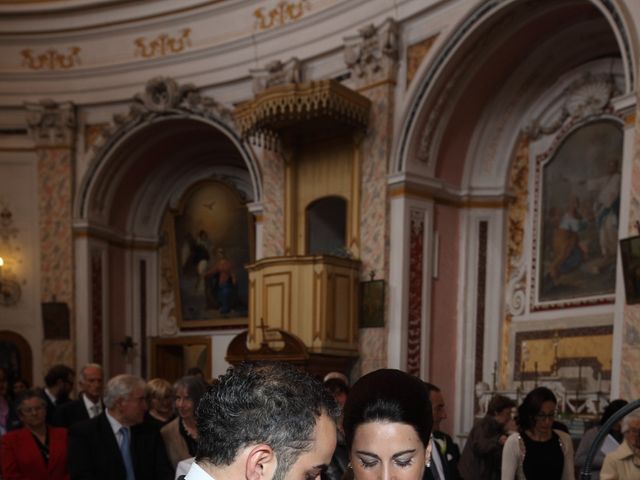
{"x":343,"y":184}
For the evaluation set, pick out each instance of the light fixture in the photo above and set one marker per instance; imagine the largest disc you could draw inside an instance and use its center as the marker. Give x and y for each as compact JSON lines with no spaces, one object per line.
{"x":9,"y":290}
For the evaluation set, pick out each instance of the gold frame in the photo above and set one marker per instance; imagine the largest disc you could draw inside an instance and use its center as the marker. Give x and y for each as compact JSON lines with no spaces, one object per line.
{"x":219,"y":322}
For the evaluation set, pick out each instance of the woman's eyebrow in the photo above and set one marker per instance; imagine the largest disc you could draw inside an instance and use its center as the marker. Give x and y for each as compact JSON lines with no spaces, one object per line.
{"x":404,"y":452}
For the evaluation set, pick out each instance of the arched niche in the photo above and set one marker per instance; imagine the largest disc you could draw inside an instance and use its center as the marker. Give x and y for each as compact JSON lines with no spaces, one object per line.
{"x":326,"y":220}
{"x":170,"y":140}
{"x":16,"y":356}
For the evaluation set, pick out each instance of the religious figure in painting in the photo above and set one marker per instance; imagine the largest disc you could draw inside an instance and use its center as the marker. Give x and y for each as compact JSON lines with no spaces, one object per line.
{"x":580,"y":203}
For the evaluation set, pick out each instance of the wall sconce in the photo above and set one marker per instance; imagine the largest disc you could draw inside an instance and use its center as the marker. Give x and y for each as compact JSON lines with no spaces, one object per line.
{"x":127,"y":345}
{"x":9,"y":290}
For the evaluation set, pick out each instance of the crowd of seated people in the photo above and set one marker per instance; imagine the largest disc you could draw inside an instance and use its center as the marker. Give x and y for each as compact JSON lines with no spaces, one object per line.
{"x":129,"y":429}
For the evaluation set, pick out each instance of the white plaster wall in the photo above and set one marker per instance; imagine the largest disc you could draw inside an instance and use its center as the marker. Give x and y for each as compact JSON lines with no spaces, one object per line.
{"x":18,"y":187}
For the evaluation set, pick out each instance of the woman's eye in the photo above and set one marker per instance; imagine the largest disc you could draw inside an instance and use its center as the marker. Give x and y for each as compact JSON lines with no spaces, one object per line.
{"x":367,"y":464}
{"x":404,"y":463}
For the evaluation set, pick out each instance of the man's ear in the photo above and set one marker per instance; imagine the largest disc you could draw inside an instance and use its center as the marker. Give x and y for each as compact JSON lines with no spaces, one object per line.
{"x":261,"y":463}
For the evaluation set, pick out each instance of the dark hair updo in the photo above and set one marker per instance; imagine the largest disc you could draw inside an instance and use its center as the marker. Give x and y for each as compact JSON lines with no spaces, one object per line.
{"x":388,"y":395}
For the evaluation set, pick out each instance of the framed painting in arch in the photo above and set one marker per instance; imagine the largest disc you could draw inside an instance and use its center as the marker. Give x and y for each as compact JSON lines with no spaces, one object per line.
{"x":577,"y":208}
{"x":211,"y":244}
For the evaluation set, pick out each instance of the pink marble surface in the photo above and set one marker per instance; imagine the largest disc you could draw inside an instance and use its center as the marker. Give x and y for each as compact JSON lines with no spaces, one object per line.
{"x":630,"y":357}
{"x":416,"y":236}
{"x":373,"y":209}
{"x":273,"y":177}
{"x":56,"y":243}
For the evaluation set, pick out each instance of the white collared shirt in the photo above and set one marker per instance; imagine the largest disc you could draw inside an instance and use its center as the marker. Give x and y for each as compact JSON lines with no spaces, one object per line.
{"x":51,"y":397}
{"x":116,"y":426}
{"x":436,"y":457}
{"x":197,"y":473}
{"x":89,"y":405}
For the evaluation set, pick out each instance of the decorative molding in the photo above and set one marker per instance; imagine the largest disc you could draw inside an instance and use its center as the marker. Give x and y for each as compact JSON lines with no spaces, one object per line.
{"x":162,"y":97}
{"x":162,"y":45}
{"x":516,"y":288}
{"x":283,"y":13}
{"x":276,"y":73}
{"x":373,"y":54}
{"x":588,"y":96}
{"x":51,"y":59}
{"x":51,"y":124}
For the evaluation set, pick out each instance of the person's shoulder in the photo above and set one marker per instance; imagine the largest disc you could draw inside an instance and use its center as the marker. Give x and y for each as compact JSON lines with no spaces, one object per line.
{"x":88,"y":425}
{"x":14,"y":435}
{"x":170,"y":427}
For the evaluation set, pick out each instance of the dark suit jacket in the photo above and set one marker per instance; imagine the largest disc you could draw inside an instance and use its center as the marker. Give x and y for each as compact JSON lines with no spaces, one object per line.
{"x":449,"y":459}
{"x":52,"y":407}
{"x":70,"y":413}
{"x":21,"y":458}
{"x":94,"y":453}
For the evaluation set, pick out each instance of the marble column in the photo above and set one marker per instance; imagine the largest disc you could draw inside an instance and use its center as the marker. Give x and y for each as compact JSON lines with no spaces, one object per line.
{"x":372,"y":58}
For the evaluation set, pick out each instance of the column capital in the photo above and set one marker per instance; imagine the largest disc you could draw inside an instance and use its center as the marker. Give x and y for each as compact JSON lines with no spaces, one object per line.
{"x":51,"y":124}
{"x":372,"y":55}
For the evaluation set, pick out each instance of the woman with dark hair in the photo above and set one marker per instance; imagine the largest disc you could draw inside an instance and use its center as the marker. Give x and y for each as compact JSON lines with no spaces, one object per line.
{"x":181,"y":435}
{"x":387,"y":426}
{"x":590,"y":435}
{"x":537,"y":450}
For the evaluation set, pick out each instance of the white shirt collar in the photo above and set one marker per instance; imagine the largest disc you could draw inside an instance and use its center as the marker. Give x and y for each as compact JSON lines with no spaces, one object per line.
{"x":89,"y":404}
{"x":436,"y":457}
{"x":115,"y":424}
{"x":197,"y":473}
{"x":51,"y":397}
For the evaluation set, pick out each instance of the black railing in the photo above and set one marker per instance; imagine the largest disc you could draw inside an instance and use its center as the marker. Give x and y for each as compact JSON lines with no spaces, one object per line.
{"x":585,"y":474}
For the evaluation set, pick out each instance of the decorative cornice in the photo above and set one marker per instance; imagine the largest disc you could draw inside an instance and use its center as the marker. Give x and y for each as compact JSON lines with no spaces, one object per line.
{"x":51,"y":124}
{"x":276,"y":73}
{"x":588,"y":96}
{"x":289,"y":106}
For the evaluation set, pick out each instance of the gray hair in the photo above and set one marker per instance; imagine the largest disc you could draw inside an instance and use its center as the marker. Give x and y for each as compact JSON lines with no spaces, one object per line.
{"x":635,"y":415}
{"x":88,"y":365}
{"x":28,"y":395}
{"x":121,"y":386}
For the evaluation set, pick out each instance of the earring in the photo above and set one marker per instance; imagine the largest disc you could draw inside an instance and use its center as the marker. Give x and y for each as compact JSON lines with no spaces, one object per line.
{"x":349,"y":465}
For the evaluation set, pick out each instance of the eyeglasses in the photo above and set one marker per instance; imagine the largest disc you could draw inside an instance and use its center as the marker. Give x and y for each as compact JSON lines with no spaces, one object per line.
{"x":32,"y":409}
{"x":545,"y":416}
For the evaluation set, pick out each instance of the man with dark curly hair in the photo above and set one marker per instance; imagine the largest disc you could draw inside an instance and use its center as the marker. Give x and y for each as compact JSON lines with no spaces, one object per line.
{"x":264,"y":421}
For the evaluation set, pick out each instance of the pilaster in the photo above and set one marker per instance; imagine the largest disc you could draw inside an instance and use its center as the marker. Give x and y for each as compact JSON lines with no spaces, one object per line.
{"x":52,"y":128}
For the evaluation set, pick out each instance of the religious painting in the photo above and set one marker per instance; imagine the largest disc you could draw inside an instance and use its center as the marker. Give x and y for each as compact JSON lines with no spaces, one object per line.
{"x":630,"y":254}
{"x":212,"y":246}
{"x":580,"y":200}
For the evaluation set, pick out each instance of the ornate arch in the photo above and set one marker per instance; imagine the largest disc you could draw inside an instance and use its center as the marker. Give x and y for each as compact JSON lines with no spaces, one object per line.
{"x":162,"y":99}
{"x":438,"y":77}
